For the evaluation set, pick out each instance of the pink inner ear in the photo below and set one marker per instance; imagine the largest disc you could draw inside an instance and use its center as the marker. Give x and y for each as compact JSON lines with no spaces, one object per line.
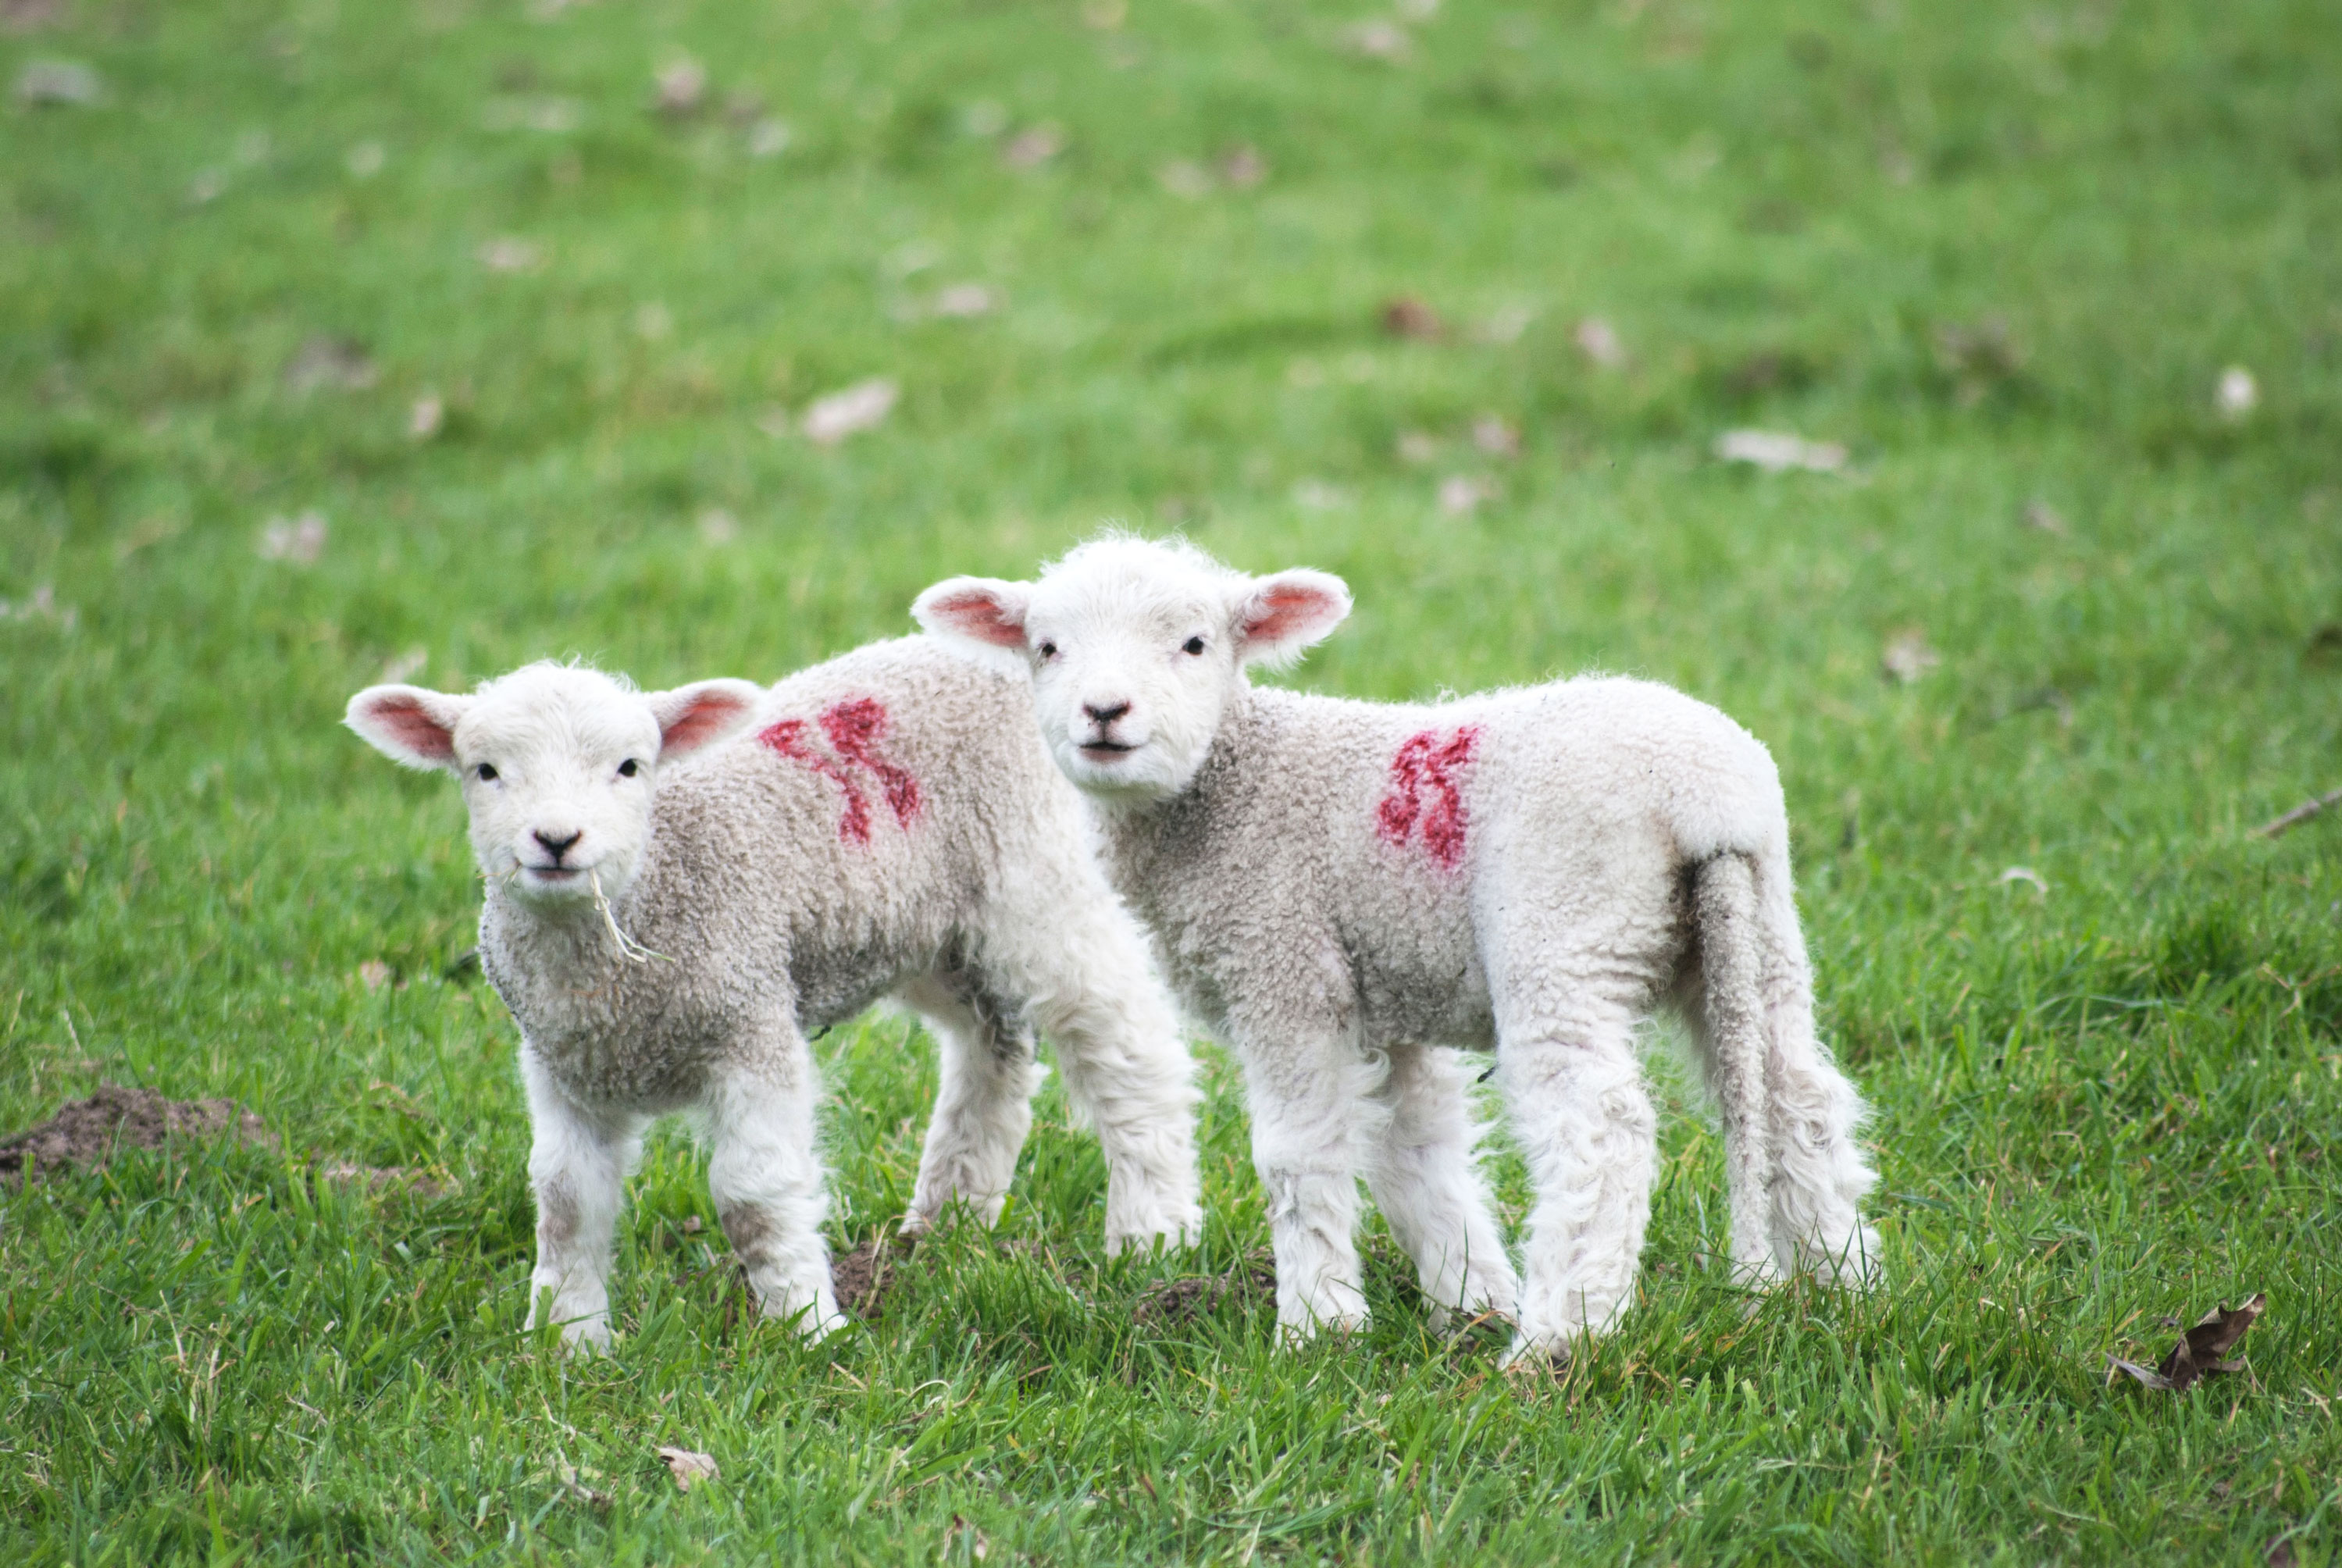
{"x":1288,"y":610}
{"x":976,"y":613}
{"x":414,"y":729}
{"x":702,"y":721}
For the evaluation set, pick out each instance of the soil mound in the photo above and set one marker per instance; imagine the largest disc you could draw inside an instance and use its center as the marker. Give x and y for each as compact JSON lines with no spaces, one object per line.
{"x":86,"y":1134}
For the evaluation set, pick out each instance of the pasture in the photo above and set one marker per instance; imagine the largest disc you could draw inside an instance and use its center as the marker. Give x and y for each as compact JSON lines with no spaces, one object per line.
{"x":437,"y":335}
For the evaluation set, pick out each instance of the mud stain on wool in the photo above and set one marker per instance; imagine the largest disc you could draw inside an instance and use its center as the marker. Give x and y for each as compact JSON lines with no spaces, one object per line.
{"x":1426,"y":792}
{"x":853,"y":728}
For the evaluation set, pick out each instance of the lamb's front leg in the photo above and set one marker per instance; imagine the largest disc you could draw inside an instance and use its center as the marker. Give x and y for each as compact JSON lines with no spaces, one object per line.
{"x":578,"y":1165}
{"x":764,"y":1174}
{"x":1306,"y":1100}
{"x":1426,"y":1182}
{"x":983,"y":1099}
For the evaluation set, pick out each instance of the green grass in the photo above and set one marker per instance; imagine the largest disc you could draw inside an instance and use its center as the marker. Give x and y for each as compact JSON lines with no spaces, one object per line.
{"x":2002,"y":250}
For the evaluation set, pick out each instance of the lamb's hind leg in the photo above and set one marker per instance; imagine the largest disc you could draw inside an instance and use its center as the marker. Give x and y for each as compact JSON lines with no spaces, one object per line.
{"x":983,"y":1099}
{"x":764,"y":1174}
{"x":1126,"y":1070}
{"x":1582,"y":1117}
{"x":1426,"y":1181}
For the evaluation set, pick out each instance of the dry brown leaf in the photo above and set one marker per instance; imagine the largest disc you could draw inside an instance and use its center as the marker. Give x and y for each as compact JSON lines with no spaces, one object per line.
{"x":1407,"y":317}
{"x":861,"y":406}
{"x":1460,"y":494}
{"x":1598,"y":341}
{"x":1775,"y":450}
{"x":2040,"y":514}
{"x":510,"y":255}
{"x":1032,"y":147}
{"x":2204,"y":1348}
{"x":689,"y":1468}
{"x":1496,"y":435}
{"x":681,"y":86}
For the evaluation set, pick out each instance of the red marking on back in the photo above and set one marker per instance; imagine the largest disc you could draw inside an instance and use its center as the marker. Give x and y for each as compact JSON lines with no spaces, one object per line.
{"x":1425,"y":766}
{"x":853,"y":727}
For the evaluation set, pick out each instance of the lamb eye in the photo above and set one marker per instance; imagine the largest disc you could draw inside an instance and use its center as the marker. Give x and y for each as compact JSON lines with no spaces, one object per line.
{"x":1193,"y":645}
{"x":629,"y":768}
{"x":486,"y":772}
{"x":1049,"y":650}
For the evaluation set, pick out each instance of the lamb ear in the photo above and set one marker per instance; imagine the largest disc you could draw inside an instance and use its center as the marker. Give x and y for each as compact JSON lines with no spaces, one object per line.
{"x":981,"y":609}
{"x":408,"y":725}
{"x":1279,"y":616}
{"x":692,"y":716}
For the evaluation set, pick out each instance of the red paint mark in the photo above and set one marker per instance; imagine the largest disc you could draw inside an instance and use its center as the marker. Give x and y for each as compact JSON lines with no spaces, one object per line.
{"x":1425,"y":790}
{"x":854,"y":727}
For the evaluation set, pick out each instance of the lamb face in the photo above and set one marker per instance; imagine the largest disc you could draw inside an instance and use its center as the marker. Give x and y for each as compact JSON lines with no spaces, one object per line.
{"x":557,"y":765}
{"x":1135,"y":649}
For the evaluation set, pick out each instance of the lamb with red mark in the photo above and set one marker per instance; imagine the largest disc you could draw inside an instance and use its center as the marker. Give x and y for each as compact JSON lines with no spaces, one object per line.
{"x":1628,"y":851}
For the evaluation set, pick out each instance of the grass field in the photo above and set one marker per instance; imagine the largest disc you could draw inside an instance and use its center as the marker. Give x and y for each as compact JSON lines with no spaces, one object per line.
{"x":444,"y":274}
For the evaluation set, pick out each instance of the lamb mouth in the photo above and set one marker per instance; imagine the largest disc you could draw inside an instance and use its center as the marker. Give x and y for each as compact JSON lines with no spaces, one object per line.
{"x":555,"y":873}
{"x":1106,"y":749}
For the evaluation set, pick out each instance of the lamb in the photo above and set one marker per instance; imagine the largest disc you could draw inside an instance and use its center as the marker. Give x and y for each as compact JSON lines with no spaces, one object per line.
{"x":670,"y":913}
{"x":1337,"y":888}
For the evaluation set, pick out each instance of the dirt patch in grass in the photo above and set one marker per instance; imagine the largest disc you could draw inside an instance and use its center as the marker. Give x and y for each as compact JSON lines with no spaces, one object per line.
{"x":86,"y":1134}
{"x":863,"y":1277}
{"x":1172,"y":1302}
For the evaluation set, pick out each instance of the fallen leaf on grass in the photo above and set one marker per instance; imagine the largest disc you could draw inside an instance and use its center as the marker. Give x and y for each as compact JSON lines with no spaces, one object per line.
{"x":688,"y":1468}
{"x":1775,"y":450}
{"x":1598,"y":341}
{"x":1030,"y":148}
{"x":1378,"y":41}
{"x":300,"y":540}
{"x":1907,"y":657}
{"x":511,"y":256}
{"x":681,"y":85}
{"x":2047,"y":518}
{"x":1410,"y":317}
{"x":861,"y":406}
{"x":978,"y":1546}
{"x":2202,"y":1349}
{"x":961,"y":300}
{"x":324,"y":361}
{"x":1243,"y":167}
{"x":1460,"y":494}
{"x":1496,"y":435}
{"x":67,"y":82}
{"x":373,"y":975}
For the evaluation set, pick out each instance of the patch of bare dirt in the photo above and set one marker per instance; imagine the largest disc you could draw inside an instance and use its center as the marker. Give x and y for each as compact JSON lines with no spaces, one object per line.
{"x":86,"y":1134}
{"x":863,"y":1277}
{"x":1184,"y":1300}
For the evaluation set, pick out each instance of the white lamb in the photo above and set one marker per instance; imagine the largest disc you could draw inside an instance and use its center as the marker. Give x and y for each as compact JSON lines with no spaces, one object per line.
{"x":668,"y":931}
{"x":1339,"y":887}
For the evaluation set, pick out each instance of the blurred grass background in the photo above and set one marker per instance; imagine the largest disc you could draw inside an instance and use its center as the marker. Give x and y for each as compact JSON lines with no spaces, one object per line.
{"x":438,"y":336}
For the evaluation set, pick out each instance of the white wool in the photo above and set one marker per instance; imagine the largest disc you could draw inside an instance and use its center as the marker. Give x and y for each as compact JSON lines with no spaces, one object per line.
{"x":1341,"y":889}
{"x":674,"y":906}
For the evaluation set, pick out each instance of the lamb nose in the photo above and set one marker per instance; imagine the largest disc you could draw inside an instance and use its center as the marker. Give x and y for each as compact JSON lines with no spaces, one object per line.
{"x":1103,"y":714}
{"x":557,"y":847}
